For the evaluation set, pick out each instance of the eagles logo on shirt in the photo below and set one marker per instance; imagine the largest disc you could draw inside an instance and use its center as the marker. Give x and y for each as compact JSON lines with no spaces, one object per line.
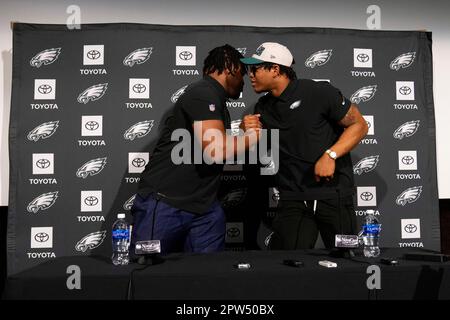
{"x":295,"y":104}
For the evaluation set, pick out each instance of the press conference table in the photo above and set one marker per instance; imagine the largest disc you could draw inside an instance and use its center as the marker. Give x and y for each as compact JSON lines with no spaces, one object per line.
{"x":213,"y":277}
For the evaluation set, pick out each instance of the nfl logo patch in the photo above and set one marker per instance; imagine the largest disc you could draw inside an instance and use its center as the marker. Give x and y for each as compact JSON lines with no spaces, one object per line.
{"x":212,"y":107}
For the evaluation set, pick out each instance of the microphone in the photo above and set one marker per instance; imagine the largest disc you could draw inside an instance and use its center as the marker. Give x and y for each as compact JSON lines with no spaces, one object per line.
{"x":148,"y":252}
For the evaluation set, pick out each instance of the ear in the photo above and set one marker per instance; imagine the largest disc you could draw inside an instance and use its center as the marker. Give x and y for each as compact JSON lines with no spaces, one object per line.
{"x":276,"y":70}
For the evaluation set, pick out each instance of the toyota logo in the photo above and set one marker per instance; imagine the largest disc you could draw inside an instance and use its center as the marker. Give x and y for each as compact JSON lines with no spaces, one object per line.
{"x":44,"y":89}
{"x":92,"y":125}
{"x":404,"y":90}
{"x":368,"y":124}
{"x":138,"y":162}
{"x":93,"y":54}
{"x":233,"y":232}
{"x":410,"y":228}
{"x":362,"y":57}
{"x":43,"y":163}
{"x":408,"y":160}
{"x":185,"y":55}
{"x":41,"y":237}
{"x":91,"y":201}
{"x":139,"y":88}
{"x":366,"y":196}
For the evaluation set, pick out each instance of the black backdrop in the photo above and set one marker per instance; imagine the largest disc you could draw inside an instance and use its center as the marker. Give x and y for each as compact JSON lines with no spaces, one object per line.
{"x":87,"y":106}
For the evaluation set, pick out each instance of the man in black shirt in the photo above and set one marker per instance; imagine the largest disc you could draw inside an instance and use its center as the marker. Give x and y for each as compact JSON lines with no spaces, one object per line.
{"x":318,"y":127}
{"x":177,"y":198}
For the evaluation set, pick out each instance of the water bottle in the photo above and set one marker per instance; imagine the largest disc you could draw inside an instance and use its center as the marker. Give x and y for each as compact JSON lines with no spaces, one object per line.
{"x":371,"y":234}
{"x":120,"y":241}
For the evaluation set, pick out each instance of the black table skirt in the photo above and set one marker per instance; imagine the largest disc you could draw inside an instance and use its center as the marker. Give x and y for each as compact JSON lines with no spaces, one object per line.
{"x":214,"y":277}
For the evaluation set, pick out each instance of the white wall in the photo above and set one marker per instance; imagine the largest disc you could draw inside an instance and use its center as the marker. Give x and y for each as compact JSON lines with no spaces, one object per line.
{"x":429,"y":15}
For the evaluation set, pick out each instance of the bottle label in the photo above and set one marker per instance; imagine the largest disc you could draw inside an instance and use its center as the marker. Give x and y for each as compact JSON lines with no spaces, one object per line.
{"x":372,"y":229}
{"x":121,"y":234}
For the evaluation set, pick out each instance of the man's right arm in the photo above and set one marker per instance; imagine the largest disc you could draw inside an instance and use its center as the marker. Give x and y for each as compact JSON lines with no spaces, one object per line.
{"x":221,"y":146}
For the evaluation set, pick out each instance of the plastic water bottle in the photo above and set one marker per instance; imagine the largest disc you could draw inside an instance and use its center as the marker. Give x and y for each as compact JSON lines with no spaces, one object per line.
{"x":120,"y":241}
{"x":371,"y":235}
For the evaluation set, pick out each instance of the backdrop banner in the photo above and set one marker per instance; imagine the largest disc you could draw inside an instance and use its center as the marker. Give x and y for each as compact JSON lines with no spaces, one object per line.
{"x":88,"y":104}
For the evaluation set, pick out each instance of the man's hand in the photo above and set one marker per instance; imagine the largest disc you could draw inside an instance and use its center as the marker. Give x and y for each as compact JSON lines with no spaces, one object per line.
{"x":324,"y":168}
{"x":250,"y":121}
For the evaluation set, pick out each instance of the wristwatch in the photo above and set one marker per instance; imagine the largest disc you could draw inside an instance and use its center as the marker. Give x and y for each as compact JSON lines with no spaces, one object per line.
{"x":331,"y":153}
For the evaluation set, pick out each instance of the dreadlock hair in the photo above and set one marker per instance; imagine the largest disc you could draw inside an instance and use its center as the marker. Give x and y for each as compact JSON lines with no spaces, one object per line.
{"x":222,"y":58}
{"x":288,"y":71}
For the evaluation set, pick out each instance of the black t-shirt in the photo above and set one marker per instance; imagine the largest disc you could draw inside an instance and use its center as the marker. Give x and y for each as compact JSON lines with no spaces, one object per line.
{"x":307,"y":115}
{"x":190,"y":187}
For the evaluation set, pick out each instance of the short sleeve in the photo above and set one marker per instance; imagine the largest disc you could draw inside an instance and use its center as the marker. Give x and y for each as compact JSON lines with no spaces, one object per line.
{"x":336,"y":105}
{"x":200,"y":109}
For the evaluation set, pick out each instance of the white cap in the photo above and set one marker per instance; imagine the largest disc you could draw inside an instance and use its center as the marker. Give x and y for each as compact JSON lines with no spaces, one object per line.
{"x":121,"y":216}
{"x":271,"y":52}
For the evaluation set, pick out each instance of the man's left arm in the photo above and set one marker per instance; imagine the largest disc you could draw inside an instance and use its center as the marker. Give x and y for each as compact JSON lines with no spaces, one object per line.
{"x":356,"y":128}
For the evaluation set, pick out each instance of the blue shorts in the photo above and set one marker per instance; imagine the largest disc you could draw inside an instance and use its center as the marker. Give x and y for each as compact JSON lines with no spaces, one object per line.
{"x":178,"y":230}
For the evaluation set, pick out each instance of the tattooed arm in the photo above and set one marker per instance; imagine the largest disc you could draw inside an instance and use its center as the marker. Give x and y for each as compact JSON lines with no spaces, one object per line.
{"x":355,"y":129}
